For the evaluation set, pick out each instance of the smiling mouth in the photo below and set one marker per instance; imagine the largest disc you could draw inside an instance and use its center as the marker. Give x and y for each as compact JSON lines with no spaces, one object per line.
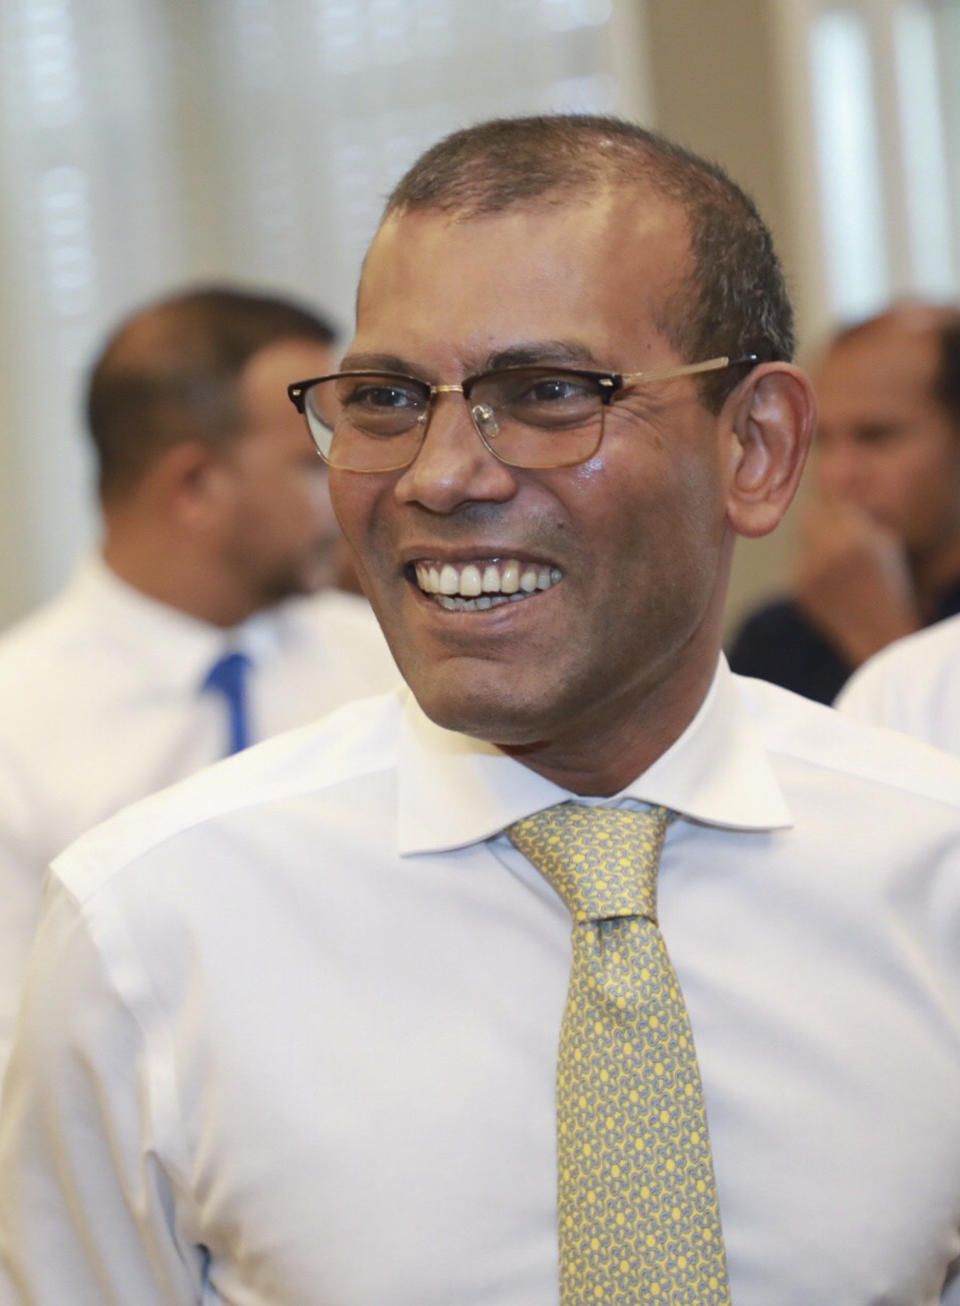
{"x":477,"y":586}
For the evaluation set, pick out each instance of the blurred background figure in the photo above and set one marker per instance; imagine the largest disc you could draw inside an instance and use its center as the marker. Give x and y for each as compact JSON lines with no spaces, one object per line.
{"x":879,"y":545}
{"x":205,"y":620}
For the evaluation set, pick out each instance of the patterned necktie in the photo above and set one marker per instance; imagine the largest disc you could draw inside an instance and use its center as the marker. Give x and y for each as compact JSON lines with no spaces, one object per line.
{"x":228,"y":676}
{"x":638,"y":1215}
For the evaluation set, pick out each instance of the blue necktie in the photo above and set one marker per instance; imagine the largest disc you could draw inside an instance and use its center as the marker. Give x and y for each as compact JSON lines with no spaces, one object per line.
{"x":228,"y":676}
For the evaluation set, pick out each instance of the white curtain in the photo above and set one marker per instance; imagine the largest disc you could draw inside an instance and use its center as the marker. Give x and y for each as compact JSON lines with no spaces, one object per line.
{"x":879,"y":128}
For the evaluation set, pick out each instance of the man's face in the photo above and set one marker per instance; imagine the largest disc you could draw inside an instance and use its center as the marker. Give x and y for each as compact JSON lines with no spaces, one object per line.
{"x":633,"y":542}
{"x":883,"y":442}
{"x":281,"y":534}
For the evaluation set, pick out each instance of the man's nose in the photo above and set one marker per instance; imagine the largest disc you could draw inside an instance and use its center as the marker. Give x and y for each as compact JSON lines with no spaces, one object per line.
{"x":453,"y":466}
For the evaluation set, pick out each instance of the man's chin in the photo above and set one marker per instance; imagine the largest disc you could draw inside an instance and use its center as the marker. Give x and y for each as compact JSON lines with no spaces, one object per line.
{"x":512,"y":723}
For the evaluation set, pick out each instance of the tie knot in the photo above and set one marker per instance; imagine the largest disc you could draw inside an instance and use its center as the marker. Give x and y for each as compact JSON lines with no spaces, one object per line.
{"x":601,"y":860}
{"x":228,"y":674}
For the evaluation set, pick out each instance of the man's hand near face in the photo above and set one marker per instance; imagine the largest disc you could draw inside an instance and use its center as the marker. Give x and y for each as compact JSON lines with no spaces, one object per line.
{"x":852,"y":579}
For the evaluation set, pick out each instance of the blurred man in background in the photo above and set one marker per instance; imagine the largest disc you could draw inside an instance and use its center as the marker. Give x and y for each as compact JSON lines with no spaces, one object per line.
{"x":880,"y":543}
{"x":199,"y":624}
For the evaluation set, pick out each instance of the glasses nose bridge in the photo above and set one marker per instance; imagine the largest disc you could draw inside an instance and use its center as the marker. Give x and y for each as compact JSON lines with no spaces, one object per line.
{"x":457,"y":387}
{"x":451,"y":388}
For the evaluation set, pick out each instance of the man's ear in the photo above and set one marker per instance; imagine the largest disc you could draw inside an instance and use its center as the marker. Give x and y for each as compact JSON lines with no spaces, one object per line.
{"x":191,"y":479}
{"x":771,"y":417}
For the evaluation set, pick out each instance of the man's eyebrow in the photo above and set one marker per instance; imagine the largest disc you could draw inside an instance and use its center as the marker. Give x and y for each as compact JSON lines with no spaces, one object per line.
{"x":523,"y":354}
{"x":378,"y":363}
{"x":534,"y":352}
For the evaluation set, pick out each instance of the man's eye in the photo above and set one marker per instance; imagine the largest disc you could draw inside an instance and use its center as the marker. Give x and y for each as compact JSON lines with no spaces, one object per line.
{"x":556,"y":389}
{"x":382,"y":398}
{"x":548,"y":399}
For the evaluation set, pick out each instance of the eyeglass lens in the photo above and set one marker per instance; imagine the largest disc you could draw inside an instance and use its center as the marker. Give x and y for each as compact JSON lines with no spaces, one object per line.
{"x":527,"y":417}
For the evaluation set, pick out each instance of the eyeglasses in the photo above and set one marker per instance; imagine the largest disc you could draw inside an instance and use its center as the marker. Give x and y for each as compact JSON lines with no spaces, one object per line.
{"x":531,"y":417}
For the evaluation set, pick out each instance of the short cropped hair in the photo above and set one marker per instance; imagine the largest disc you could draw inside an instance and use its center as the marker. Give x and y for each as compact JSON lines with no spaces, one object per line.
{"x":733,"y":300}
{"x":170,"y":373}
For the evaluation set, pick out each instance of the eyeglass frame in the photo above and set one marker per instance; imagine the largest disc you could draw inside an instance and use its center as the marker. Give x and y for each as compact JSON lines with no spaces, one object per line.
{"x":612,"y":385}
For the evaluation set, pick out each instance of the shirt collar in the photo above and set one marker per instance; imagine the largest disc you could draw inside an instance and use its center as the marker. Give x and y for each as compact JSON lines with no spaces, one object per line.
{"x":178,"y":649}
{"x":455,"y":791}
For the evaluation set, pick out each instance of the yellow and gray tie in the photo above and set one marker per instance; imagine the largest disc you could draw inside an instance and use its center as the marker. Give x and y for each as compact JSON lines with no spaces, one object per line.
{"x":638,"y":1215}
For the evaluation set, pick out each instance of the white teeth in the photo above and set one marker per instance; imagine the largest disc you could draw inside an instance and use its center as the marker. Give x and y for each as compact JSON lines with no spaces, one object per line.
{"x":485,"y":601}
{"x":473,"y":587}
{"x":470,"y":585}
{"x":491,"y":580}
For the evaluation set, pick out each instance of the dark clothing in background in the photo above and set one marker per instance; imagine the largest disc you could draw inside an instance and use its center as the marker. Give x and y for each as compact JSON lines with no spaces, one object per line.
{"x":779,"y":643}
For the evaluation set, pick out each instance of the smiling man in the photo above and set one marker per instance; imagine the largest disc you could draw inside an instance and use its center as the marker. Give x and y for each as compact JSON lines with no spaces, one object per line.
{"x":584,"y":969}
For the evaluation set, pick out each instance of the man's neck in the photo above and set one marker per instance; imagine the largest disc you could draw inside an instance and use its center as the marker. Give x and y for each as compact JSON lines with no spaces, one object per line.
{"x":607,"y":755}
{"x":185,"y":584}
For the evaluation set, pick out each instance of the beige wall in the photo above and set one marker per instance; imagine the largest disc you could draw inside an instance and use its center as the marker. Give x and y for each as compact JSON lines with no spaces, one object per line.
{"x":717,"y":90}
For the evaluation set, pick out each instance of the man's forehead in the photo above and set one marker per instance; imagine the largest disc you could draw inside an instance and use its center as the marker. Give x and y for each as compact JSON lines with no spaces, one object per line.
{"x":622,"y":212}
{"x":616,"y":244}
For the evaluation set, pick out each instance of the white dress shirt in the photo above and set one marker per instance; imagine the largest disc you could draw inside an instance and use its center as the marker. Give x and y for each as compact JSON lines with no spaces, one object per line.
{"x":912,"y":685}
{"x":101,"y":703}
{"x":290,"y":1029}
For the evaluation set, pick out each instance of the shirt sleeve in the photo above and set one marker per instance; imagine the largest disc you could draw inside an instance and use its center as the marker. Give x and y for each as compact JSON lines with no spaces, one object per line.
{"x":92,"y":1212}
